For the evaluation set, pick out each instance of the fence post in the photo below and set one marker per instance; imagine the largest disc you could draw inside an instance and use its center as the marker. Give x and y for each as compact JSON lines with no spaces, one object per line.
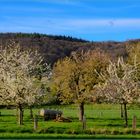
{"x":134,"y":122}
{"x":35,"y":122}
{"x":101,"y":114}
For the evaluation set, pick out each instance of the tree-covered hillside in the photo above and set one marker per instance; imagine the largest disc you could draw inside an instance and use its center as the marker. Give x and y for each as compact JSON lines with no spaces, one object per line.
{"x":55,"y":47}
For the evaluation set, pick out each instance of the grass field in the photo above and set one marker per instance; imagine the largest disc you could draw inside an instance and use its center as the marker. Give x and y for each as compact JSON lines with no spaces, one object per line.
{"x":102,"y":121}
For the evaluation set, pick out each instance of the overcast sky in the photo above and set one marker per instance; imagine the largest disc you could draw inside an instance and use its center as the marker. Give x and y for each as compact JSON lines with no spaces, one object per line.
{"x":96,"y":20}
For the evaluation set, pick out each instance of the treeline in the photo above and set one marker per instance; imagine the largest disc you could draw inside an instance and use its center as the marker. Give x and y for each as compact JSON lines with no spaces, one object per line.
{"x":53,"y":48}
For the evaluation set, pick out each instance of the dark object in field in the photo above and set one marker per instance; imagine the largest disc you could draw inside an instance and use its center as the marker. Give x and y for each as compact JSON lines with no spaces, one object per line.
{"x":49,"y":114}
{"x":62,"y":119}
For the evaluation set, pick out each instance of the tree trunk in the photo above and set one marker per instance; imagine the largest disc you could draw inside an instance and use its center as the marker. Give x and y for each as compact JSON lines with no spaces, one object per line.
{"x":31,"y":112}
{"x":20,"y":115}
{"x":122,"y":111}
{"x":125,"y":115}
{"x":81,"y":111}
{"x":17,"y":113}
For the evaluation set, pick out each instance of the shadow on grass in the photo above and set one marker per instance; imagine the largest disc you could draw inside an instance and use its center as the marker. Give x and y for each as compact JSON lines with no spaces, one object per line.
{"x":102,"y":118}
{"x":6,"y":115}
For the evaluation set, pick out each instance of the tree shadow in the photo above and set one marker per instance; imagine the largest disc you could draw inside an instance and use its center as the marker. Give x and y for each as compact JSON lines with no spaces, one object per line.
{"x":6,"y":115}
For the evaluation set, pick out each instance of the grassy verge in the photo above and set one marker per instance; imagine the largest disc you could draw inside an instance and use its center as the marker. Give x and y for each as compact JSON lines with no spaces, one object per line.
{"x":64,"y":136}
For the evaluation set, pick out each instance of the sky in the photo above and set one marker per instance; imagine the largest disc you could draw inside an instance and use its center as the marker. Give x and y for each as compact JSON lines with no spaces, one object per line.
{"x":93,"y":20}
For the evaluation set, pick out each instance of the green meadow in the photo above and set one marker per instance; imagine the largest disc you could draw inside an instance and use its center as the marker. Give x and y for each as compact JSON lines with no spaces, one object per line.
{"x":102,"y":121}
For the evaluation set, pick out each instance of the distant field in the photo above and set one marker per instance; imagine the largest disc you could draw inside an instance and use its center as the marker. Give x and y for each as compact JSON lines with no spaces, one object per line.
{"x":101,"y":121}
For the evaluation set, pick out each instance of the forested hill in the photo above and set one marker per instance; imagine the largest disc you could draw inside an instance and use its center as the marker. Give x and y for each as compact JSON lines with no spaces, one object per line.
{"x":55,"y":47}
